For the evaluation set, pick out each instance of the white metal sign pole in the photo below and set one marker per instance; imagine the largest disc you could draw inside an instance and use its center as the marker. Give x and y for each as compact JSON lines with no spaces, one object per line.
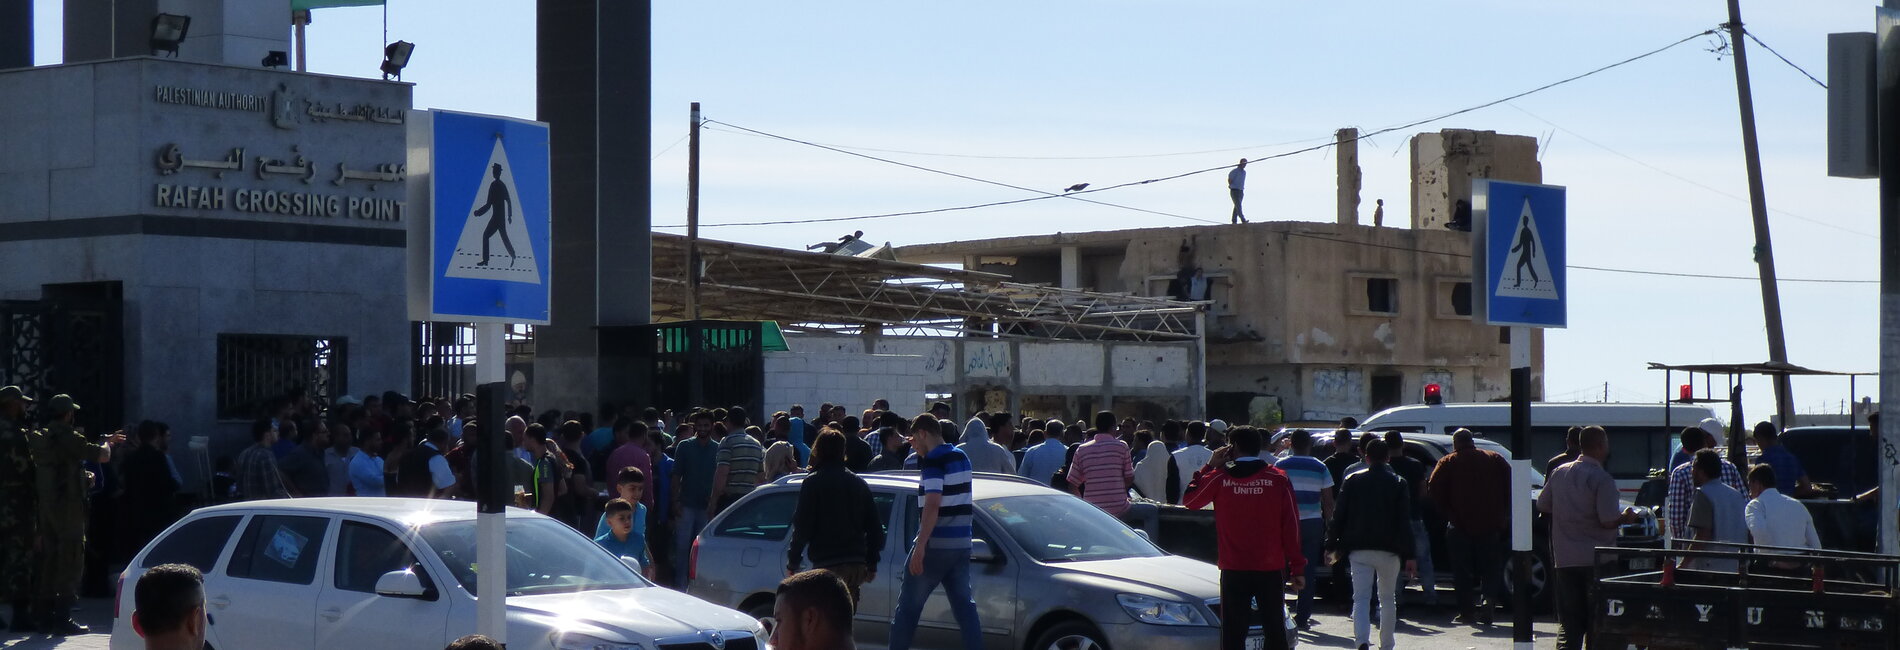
{"x":491,"y":539}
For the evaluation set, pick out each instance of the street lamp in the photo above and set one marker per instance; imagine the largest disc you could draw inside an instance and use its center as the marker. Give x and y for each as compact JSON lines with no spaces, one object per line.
{"x":395,"y":57}
{"x":168,"y":30}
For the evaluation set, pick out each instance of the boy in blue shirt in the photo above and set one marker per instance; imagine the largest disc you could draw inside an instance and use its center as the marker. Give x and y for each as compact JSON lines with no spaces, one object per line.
{"x":626,"y":536}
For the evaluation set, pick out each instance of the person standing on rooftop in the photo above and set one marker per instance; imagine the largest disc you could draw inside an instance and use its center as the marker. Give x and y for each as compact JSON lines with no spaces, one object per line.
{"x":1237,"y":186}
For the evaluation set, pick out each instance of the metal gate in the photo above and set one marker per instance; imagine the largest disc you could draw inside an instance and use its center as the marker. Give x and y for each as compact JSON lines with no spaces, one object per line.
{"x":706,"y":364}
{"x":67,"y":345}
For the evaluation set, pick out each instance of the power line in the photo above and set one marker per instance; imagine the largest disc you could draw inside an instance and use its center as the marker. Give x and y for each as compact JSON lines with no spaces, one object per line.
{"x":1102,"y":157}
{"x":670,"y":146}
{"x":1757,"y":40}
{"x":1722,"y":277}
{"x":1706,"y":276}
{"x":1682,"y":178}
{"x":1048,"y":195}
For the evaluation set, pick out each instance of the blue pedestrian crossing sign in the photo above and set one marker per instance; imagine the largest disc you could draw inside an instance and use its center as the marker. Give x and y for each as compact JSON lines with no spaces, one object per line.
{"x":1518,"y":256}
{"x":488,"y":218}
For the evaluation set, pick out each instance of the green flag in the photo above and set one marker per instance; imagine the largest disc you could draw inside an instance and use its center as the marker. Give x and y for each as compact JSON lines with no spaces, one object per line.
{"x":305,"y":5}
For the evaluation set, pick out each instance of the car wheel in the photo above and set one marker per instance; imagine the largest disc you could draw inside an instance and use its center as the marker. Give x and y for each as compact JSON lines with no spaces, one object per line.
{"x":1071,"y":635}
{"x":1540,"y":577}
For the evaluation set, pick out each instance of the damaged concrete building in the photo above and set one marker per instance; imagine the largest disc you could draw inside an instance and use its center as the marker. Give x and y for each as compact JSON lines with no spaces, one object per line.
{"x":1310,"y":321}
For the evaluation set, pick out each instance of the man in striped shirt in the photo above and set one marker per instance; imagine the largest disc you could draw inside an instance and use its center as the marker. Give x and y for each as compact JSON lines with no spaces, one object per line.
{"x":1103,"y":467}
{"x":941,"y":552}
{"x":736,"y":469}
{"x":1313,"y":492}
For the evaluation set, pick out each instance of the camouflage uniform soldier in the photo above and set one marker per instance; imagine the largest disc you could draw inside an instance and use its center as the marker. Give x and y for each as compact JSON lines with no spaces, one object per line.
{"x":17,"y":517}
{"x":60,"y":452}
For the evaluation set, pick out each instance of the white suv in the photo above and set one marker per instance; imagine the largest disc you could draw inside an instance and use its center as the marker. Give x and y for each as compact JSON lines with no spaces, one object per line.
{"x":373,"y":572}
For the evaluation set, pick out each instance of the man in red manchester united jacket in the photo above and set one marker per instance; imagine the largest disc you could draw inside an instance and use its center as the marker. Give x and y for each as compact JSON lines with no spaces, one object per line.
{"x":1259,"y":529}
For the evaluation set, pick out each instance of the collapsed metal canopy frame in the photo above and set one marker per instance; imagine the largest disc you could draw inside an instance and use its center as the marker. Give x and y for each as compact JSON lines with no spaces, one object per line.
{"x":806,"y":291}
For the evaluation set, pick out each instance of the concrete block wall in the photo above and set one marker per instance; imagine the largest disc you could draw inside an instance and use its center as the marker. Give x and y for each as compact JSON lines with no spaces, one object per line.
{"x":854,"y":379}
{"x":80,"y":170}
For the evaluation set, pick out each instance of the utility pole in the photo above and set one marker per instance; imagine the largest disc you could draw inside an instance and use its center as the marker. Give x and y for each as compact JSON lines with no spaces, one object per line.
{"x":692,"y":218}
{"x":1887,"y":85}
{"x":1758,"y":205}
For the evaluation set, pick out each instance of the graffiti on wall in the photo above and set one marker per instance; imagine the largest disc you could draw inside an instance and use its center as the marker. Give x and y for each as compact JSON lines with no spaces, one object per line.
{"x":1336,"y":392}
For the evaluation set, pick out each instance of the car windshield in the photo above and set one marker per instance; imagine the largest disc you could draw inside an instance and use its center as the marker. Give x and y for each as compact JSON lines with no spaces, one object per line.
{"x":543,"y":557}
{"x":1066,"y":529}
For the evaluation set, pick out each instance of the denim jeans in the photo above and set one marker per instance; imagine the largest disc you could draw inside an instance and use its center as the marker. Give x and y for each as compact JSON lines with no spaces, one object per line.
{"x":692,"y":521}
{"x":1422,"y":550}
{"x":1312,"y":545}
{"x":950,"y":568}
{"x":1374,"y":572}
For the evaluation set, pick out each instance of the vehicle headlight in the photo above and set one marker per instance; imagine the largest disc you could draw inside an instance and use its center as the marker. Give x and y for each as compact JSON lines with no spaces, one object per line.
{"x":583,"y":642}
{"x":1155,"y":611}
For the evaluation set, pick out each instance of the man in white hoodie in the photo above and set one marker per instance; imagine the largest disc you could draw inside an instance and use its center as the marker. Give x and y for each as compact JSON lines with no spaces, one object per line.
{"x":1195,"y":454}
{"x":987,"y":445}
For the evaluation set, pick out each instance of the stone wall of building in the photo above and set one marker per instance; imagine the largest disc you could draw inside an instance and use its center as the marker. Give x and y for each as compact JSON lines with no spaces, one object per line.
{"x":852,"y":378}
{"x":222,"y":200}
{"x":1006,"y":374}
{"x":1444,"y":163}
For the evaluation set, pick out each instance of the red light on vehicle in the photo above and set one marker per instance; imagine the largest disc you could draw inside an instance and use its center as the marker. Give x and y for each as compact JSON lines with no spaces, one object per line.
{"x":1685,"y":392}
{"x":1434,"y":394}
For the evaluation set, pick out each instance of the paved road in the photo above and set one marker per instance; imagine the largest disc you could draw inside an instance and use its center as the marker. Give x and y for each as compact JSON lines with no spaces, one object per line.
{"x":1420,"y":628}
{"x":92,"y":612}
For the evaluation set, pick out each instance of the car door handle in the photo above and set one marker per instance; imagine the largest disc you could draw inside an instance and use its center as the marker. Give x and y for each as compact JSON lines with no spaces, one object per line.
{"x":221,"y":602}
{"x":333,"y":614}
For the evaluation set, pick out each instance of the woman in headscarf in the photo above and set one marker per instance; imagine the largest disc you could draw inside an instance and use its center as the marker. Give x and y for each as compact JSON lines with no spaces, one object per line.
{"x":1151,"y":474}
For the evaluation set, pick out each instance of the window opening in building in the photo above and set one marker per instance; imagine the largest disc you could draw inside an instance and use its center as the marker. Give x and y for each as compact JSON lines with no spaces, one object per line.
{"x":254,"y":369}
{"x":1382,"y":295}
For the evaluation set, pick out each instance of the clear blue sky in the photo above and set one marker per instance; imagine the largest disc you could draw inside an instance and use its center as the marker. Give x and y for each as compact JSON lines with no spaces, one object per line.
{"x":1118,"y":77}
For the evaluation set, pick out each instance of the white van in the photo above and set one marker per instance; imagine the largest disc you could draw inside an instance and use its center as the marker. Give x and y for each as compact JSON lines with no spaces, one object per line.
{"x":1642,"y":436}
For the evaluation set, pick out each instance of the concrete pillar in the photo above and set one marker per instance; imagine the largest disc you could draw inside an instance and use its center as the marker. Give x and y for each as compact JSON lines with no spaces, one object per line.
{"x":96,"y":31}
{"x":16,"y":34}
{"x":1016,"y":379}
{"x":1071,"y":267}
{"x":593,"y":68}
{"x":1444,"y":163}
{"x":1346,"y":152}
{"x":231,"y":32}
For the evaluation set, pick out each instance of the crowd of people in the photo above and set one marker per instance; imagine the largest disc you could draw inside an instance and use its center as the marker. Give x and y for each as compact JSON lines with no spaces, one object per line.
{"x":644,"y":483}
{"x":46,"y":474}
{"x":1712,"y":507}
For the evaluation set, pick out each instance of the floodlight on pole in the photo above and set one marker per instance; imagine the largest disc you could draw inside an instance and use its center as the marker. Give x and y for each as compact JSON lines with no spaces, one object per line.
{"x":396,"y":57}
{"x":168,"y":30}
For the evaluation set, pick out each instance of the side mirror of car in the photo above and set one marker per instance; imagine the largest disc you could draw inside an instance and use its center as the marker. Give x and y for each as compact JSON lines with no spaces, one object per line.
{"x":632,"y":564}
{"x":1144,"y":535}
{"x":981,"y":553}
{"x":403,"y":584}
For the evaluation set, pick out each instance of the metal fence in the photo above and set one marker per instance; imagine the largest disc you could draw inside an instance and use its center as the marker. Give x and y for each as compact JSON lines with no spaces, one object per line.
{"x":254,"y":369}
